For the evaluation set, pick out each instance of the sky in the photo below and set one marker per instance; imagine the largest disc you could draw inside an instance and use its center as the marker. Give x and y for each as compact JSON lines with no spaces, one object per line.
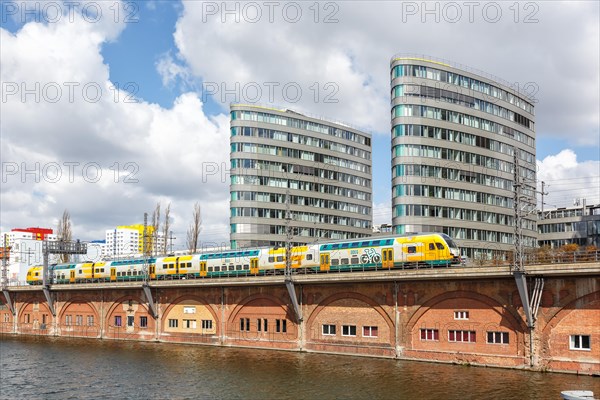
{"x":110,"y":107}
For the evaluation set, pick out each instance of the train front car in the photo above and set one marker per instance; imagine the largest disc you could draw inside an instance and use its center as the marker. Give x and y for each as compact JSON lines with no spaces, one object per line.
{"x":387,"y":252}
{"x":452,"y":248}
{"x":34,"y":275}
{"x":425,"y":249}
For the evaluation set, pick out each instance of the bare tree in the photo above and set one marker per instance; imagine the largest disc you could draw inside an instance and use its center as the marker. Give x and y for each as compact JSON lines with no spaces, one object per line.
{"x":155,"y":227}
{"x":64,"y":233}
{"x":194,"y":230}
{"x":166,"y":227}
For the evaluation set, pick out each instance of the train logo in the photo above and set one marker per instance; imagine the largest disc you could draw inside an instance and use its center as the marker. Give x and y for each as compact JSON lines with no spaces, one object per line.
{"x":370,"y":255}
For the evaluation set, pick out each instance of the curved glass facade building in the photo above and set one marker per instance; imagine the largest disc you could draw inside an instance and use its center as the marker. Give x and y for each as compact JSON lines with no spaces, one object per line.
{"x":454,"y":136}
{"x":321,"y":170}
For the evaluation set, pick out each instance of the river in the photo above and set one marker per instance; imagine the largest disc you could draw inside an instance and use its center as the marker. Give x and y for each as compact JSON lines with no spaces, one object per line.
{"x":64,"y":368}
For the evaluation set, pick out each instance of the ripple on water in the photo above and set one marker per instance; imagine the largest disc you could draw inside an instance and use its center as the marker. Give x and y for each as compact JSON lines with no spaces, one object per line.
{"x":59,"y":368}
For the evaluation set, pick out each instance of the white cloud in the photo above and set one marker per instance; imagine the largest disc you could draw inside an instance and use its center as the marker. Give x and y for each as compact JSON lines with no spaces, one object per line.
{"x":382,"y":213}
{"x":548,"y":49}
{"x":106,"y":158}
{"x":566,"y":180}
{"x":180,"y":155}
{"x":170,"y":70}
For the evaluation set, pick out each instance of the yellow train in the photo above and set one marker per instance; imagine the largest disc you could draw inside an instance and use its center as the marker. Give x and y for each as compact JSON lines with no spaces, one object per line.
{"x":375,"y":253}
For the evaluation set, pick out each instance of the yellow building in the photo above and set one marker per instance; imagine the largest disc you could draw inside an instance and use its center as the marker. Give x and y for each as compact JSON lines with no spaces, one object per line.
{"x":128,"y":240}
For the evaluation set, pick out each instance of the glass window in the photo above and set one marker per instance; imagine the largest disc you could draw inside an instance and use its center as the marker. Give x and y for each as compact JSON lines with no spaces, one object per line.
{"x":430,"y":334}
{"x":348,"y":330}
{"x":497,"y":337}
{"x":461,"y":315}
{"x":580,"y":342}
{"x":329,"y":329}
{"x":369,"y":331}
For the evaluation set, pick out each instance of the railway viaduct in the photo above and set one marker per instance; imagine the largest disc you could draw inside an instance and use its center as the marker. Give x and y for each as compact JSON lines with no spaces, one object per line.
{"x":457,"y":315}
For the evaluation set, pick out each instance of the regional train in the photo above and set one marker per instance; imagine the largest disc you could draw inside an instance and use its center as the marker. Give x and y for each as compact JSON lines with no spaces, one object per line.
{"x":374,"y":253}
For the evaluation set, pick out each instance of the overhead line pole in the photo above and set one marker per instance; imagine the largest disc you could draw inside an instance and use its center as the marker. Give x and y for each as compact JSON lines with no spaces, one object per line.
{"x":289,"y":283}
{"x":5,"y":255}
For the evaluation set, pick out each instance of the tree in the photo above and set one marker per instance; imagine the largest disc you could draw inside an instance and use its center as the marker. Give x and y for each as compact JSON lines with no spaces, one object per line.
{"x":568,"y":251}
{"x":543,"y":255}
{"x":194,"y":230}
{"x":64,"y":233}
{"x":166,"y":227}
{"x":155,"y":227}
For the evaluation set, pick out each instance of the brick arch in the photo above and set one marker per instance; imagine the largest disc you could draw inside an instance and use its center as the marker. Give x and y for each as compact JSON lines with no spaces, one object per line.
{"x":78,"y":299}
{"x":194,"y":297}
{"x":31,"y":327}
{"x":355,"y":296}
{"x":84,"y":329}
{"x":6,"y":326}
{"x":577,"y":304}
{"x":275,"y":300}
{"x":120,"y":300}
{"x":516,"y":322}
{"x":30,"y":301}
{"x":116,"y":303}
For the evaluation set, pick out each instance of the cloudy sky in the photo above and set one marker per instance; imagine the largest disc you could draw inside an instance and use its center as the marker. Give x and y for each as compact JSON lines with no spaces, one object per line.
{"x":109,"y":107}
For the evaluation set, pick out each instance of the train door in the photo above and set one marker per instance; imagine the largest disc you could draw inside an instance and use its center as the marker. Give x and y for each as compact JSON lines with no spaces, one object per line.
{"x":113,"y":274}
{"x":72,"y":278}
{"x":431,"y":252}
{"x":202,"y":268}
{"x":152,"y":271}
{"x":177,"y":266}
{"x":254,"y":266}
{"x":388,"y":258}
{"x":325,"y":262}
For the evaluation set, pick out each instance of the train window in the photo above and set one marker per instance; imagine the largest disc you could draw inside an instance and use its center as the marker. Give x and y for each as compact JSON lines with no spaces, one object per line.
{"x":238,"y":267}
{"x":246,"y":266}
{"x":440,"y":246}
{"x":101,"y":269}
{"x":224,"y":268}
{"x":411,"y":249}
{"x":134,"y":273}
{"x":335,"y":261}
{"x":80,"y":271}
{"x":217,"y":268}
{"x":164,"y":266}
{"x":431,"y":246}
{"x":171,"y":266}
{"x":210,"y":269}
{"x":231,"y":267}
{"x":309,"y":257}
{"x":354,"y":245}
{"x":189,"y":265}
{"x":354,"y":260}
{"x":279,"y":258}
{"x":271,"y":259}
{"x":345,"y":261}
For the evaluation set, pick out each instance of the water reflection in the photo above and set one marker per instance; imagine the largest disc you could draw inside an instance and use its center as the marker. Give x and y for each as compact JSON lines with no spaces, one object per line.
{"x":59,"y":368}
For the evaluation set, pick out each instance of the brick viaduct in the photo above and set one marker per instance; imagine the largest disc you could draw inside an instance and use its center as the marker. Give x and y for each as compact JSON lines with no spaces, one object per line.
{"x":457,"y":315}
